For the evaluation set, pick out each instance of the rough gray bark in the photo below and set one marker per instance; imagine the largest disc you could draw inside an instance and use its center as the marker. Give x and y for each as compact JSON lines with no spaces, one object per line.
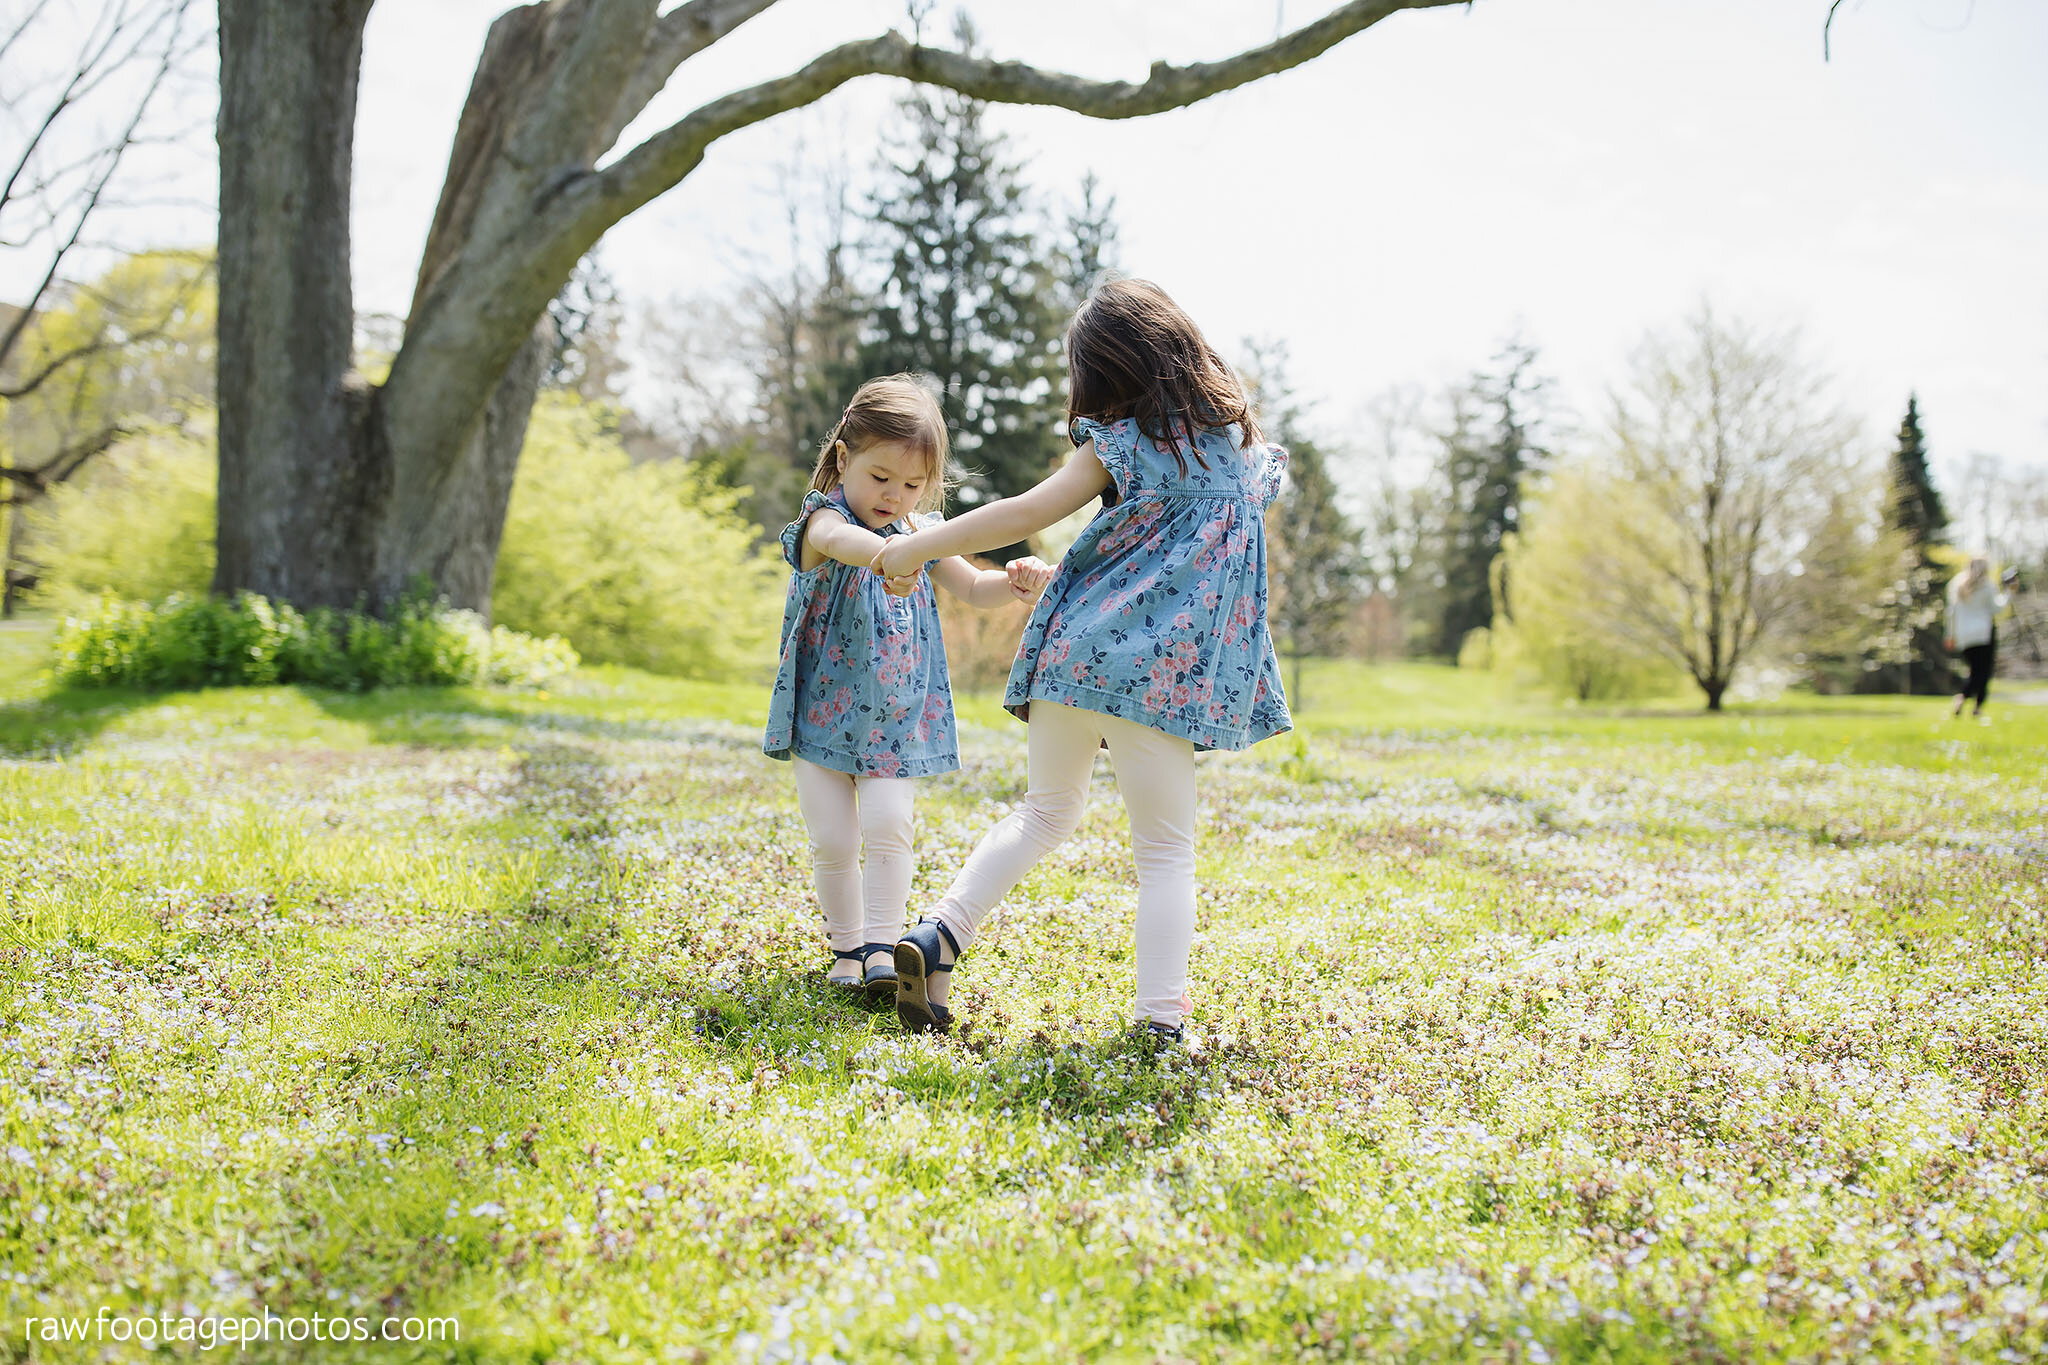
{"x":303,"y":476}
{"x":331,"y":490}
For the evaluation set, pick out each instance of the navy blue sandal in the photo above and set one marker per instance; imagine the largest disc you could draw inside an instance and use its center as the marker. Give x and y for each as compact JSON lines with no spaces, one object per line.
{"x":1160,"y":1037}
{"x":878,"y":972}
{"x":850,"y":984}
{"x":917,"y":960}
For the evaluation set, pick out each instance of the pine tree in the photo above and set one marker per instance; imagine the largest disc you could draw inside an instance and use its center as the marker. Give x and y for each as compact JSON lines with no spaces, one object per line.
{"x":1314,"y":559}
{"x":1915,"y":504}
{"x":1483,"y":471}
{"x":1091,"y":245}
{"x":967,"y":293}
{"x":1912,"y":604}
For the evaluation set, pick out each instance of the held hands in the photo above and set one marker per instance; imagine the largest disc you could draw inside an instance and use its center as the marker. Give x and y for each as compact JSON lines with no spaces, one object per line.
{"x":1028,"y":577}
{"x":898,"y":559}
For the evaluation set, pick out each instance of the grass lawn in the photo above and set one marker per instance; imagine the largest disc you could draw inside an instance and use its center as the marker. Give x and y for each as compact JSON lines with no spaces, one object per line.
{"x":1527,"y":1033}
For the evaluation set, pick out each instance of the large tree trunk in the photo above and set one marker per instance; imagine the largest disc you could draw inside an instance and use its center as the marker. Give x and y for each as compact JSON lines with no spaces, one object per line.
{"x":301,"y":475}
{"x":321,"y":499}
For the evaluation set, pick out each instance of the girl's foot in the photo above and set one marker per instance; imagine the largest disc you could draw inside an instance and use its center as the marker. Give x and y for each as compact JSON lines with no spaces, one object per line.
{"x":921,"y":955}
{"x":878,"y":976}
{"x":1158,"y":1037}
{"x":1957,"y":709}
{"x":848,"y":968}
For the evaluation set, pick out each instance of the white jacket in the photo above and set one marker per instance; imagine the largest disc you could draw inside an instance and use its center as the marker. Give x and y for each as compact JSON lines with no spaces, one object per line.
{"x":1970,"y":616}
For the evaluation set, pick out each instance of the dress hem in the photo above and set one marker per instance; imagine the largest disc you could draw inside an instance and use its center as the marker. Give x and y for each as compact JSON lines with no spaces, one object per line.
{"x":1082,"y":697}
{"x":850,"y":764}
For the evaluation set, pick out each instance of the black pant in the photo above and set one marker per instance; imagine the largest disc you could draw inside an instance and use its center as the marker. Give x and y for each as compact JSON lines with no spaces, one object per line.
{"x":1980,"y":658}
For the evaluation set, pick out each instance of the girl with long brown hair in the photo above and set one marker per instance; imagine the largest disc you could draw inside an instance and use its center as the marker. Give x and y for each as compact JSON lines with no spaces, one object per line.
{"x":1151,"y":641}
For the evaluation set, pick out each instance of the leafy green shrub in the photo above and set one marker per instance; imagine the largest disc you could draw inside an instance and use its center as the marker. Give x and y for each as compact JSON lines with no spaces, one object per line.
{"x":136,"y":523}
{"x":1576,"y":578}
{"x":187,"y":642}
{"x":644,"y":564}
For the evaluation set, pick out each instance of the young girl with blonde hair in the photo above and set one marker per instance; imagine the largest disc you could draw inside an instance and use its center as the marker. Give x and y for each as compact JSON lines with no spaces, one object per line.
{"x":1974,"y":602}
{"x":862,"y":704}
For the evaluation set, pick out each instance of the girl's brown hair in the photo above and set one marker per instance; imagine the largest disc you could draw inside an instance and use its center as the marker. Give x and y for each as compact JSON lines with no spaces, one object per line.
{"x":896,"y":409}
{"x":1132,"y":352}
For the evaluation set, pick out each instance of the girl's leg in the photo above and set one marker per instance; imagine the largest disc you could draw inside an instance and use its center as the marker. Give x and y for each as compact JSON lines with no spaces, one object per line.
{"x":888,"y":818}
{"x":826,"y":800}
{"x":1155,"y":772}
{"x":1979,"y":659}
{"x":1063,"y":743}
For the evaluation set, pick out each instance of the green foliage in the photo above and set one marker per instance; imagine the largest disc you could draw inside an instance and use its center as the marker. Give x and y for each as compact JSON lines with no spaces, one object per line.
{"x":1318,"y":570}
{"x":1490,"y":444}
{"x":188,"y":642}
{"x":130,"y":354}
{"x":971,"y":292}
{"x":1578,"y":618}
{"x":650,"y":565}
{"x":137,"y":523}
{"x":1911,"y":601}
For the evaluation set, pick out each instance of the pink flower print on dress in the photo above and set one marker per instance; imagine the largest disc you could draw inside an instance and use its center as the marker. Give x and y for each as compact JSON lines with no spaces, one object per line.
{"x":1240,"y":619}
{"x":885,"y":764}
{"x":1136,"y":525}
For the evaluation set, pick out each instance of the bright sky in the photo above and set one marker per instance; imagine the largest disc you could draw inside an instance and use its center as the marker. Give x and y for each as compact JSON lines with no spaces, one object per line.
{"x":1582,"y":168}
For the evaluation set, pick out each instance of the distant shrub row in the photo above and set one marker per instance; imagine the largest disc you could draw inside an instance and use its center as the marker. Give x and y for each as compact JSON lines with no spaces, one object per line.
{"x":186,"y":642}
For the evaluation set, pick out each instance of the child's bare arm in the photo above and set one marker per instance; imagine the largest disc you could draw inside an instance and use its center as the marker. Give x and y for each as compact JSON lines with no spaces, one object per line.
{"x":828,"y":535}
{"x":1021,"y":580}
{"x":1069,"y":489}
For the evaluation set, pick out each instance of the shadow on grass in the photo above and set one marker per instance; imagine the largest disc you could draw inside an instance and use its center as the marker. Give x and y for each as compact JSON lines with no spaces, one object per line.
{"x":463,"y":718}
{"x":66,"y":720}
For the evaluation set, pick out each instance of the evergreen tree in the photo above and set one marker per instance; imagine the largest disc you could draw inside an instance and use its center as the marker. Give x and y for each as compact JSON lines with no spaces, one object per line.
{"x":966,"y":292}
{"x":1091,"y":245}
{"x":1913,"y":603}
{"x":1915,"y":504}
{"x":1483,"y":469}
{"x":1314,"y":559}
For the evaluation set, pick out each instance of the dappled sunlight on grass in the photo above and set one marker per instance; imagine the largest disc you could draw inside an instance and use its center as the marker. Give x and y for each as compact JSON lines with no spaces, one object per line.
{"x":1525,"y":1032}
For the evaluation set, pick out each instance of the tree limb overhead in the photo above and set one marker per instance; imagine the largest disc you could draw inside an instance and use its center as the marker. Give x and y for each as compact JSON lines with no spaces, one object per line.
{"x":665,"y":158}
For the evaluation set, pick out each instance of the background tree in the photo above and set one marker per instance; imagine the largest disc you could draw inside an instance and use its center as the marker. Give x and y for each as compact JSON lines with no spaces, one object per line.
{"x":1577,"y":585}
{"x":968,"y":292}
{"x":1914,"y":598}
{"x":1092,"y":245}
{"x":1730,"y":439}
{"x":1318,"y":571}
{"x":1483,"y":470}
{"x":65,"y":157}
{"x":332,"y":487}
{"x":112,"y":359}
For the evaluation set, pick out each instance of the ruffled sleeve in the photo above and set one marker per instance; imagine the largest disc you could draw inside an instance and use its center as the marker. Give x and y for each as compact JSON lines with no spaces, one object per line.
{"x":1272,"y":467}
{"x":1116,"y":445}
{"x":793,"y":534}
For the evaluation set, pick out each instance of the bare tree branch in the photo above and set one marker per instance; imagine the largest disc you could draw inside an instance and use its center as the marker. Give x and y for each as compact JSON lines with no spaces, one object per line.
{"x":678,"y":36}
{"x":470,"y":314}
{"x":107,"y":340}
{"x":83,"y":78}
{"x":28,"y":17}
{"x":665,"y":158}
{"x":67,"y":460}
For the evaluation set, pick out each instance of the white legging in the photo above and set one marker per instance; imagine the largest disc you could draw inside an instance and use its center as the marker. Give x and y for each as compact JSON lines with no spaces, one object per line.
{"x":842,"y":813}
{"x":1156,"y":774}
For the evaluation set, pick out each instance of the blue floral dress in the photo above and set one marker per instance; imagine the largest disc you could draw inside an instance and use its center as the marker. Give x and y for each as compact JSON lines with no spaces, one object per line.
{"x":1158,"y":613}
{"x":862,"y":687}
